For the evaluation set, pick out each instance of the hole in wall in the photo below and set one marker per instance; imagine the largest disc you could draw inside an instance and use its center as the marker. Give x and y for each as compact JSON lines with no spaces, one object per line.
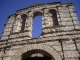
{"x":37,"y":26}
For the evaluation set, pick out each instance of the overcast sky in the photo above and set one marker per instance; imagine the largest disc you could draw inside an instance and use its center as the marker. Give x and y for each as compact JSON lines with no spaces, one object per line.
{"x":9,"y":7}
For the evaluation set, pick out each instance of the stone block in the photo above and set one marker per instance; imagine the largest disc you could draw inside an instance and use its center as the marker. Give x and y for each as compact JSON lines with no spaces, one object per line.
{"x":6,"y":33}
{"x":1,"y":53}
{"x":10,"y":21}
{"x":65,"y":11}
{"x":0,"y":58}
{"x":75,"y":18}
{"x":67,"y":42}
{"x":67,"y":23}
{"x":6,"y":53}
{"x":60,"y":8}
{"x":70,"y":9}
{"x":76,"y":22}
{"x":16,"y":47}
{"x":7,"y":58}
{"x":73,"y":14}
{"x":54,"y":43}
{"x":8,"y":25}
{"x":66,"y":19}
{"x":78,"y":45}
{"x":72,"y":59}
{"x":13,"y":36}
{"x":58,"y":47}
{"x":7,"y":29}
{"x":65,"y":15}
{"x":77,"y":26}
{"x":66,"y":28}
{"x":46,"y":30}
{"x":12,"y":52}
{"x":75,"y":36}
{"x":77,"y":40}
{"x":61,"y":54}
{"x":4,"y":37}
{"x":69,"y":47}
{"x":69,"y":28}
{"x":71,"y":54}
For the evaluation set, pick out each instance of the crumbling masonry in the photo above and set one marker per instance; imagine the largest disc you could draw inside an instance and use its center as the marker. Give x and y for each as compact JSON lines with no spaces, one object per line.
{"x":60,"y":38}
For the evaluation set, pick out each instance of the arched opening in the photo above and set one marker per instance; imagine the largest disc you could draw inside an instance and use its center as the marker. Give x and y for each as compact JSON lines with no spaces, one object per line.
{"x":54,"y":16}
{"x":36,"y":55}
{"x":37,"y":25}
{"x":23,"y":17}
{"x":30,"y":50}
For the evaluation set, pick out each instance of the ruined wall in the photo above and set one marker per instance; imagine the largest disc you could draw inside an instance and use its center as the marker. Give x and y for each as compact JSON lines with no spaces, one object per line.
{"x":61,"y":33}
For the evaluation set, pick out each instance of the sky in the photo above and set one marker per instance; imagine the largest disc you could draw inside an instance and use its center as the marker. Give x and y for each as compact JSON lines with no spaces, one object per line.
{"x":9,"y":7}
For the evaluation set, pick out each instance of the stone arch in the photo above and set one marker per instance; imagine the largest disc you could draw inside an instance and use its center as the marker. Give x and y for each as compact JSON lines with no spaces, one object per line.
{"x":36,"y":13}
{"x":43,"y":47}
{"x":40,"y":53}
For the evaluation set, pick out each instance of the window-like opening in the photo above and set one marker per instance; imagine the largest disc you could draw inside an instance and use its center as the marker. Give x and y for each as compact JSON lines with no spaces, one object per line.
{"x":54,"y":16}
{"x":23,"y":22}
{"x":37,"y":25}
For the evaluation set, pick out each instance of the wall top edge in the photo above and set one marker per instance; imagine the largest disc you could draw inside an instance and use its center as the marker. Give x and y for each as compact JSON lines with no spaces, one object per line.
{"x":41,"y":4}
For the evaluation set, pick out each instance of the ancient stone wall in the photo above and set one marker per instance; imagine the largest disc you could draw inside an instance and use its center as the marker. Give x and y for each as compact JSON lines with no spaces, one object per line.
{"x":60,"y":32}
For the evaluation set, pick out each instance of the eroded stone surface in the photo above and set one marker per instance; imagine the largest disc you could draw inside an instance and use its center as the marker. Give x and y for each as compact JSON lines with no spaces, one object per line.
{"x":60,"y":33}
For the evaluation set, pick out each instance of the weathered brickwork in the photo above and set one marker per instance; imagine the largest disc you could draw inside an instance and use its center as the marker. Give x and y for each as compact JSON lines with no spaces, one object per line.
{"x":60,"y":38}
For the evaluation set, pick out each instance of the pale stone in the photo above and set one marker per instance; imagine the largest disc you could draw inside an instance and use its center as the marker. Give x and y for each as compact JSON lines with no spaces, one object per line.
{"x":71,"y":54}
{"x":60,"y":37}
